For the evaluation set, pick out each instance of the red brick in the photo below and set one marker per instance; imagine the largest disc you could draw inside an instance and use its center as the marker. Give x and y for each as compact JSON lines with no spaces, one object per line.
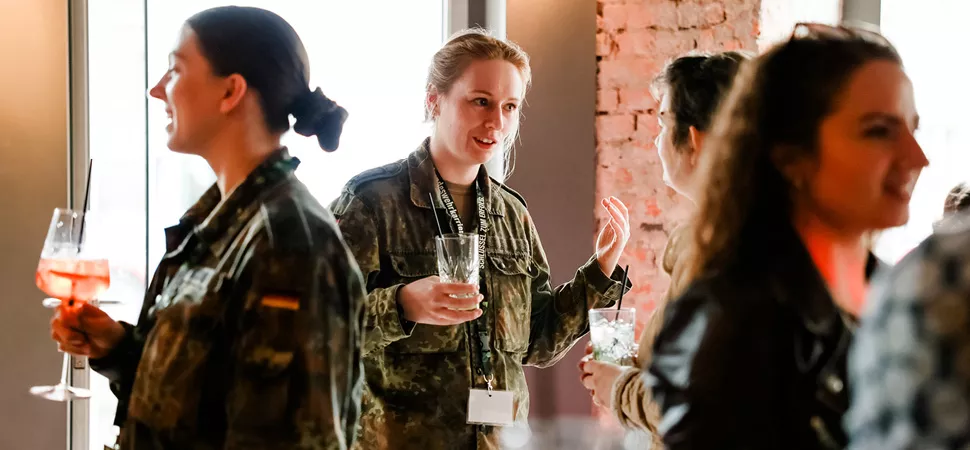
{"x":631,"y":72}
{"x":637,"y":99}
{"x":615,"y":127}
{"x":604,"y":44}
{"x":647,"y":129}
{"x":745,"y":26}
{"x":736,"y":9}
{"x":630,"y":44}
{"x":700,"y":15}
{"x":653,"y":13}
{"x":610,"y":154}
{"x":674,"y":44}
{"x":653,"y":43}
{"x":607,"y":100}
{"x":724,"y":33}
{"x":614,"y":17}
{"x":706,"y":40}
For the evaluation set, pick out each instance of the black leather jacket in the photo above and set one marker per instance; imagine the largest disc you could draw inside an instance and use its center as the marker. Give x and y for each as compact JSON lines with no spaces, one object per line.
{"x":754,"y":357}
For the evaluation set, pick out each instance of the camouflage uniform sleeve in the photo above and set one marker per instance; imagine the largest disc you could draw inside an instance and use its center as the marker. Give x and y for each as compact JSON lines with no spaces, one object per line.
{"x":385,"y":324}
{"x":560,"y":316}
{"x":296,"y":373}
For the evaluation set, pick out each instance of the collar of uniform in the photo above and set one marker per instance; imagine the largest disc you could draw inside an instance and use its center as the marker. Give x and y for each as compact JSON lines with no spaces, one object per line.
{"x":209,"y":219}
{"x":423,"y":181}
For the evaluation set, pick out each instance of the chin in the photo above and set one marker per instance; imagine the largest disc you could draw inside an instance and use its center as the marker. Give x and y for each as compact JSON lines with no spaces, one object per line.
{"x":177,"y":146}
{"x":894,"y":217}
{"x":479,"y":156}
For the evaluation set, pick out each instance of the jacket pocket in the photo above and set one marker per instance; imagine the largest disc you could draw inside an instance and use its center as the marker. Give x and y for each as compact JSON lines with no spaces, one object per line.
{"x":173,"y":366}
{"x":410,"y":267}
{"x":510,"y":297}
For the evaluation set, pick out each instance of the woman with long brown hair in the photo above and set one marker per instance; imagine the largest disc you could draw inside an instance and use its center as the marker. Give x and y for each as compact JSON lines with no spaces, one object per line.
{"x":812,"y":152}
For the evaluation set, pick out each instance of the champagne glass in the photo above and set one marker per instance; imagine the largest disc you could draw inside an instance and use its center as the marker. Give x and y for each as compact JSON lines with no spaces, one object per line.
{"x":71,"y":271}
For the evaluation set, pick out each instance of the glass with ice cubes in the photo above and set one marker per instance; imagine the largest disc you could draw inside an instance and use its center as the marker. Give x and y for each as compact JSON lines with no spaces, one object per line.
{"x":611,"y":332}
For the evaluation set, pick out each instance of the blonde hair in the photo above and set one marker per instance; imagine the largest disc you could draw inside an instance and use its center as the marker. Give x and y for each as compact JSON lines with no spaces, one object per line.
{"x":465,"y":47}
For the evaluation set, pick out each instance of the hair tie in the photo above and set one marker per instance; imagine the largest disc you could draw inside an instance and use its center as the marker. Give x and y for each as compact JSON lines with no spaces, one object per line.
{"x":318,"y":115}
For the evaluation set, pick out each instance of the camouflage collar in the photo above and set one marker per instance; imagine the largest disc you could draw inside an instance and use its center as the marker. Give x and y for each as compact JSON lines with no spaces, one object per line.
{"x":209,"y":219}
{"x":421,"y":172}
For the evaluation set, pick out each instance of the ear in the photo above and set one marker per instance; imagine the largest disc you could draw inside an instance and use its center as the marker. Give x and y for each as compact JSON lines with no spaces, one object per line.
{"x":235,"y":90}
{"x":696,"y":138}
{"x":431,"y":101}
{"x":797,"y":169}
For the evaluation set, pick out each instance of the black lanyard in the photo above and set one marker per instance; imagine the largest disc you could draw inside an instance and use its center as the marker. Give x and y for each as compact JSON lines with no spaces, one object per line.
{"x":479,"y":326}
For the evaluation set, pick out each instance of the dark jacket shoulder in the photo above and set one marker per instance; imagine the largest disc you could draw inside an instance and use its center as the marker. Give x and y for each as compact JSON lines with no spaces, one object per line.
{"x":293,"y":220}
{"x":511,"y":195}
{"x":369,"y":183}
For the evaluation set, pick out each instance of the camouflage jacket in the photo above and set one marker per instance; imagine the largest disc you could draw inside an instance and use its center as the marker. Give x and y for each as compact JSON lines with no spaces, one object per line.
{"x":419,"y":376}
{"x":250,"y":333}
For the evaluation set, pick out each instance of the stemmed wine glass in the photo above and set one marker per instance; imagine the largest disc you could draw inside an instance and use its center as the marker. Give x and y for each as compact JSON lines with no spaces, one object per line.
{"x":71,"y":271}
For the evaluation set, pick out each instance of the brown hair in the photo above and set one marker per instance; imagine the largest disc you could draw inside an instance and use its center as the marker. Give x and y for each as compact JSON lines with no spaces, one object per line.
{"x":475,"y":44}
{"x":465,"y":47}
{"x":265,"y":50}
{"x":696,"y":84}
{"x":770,"y":118}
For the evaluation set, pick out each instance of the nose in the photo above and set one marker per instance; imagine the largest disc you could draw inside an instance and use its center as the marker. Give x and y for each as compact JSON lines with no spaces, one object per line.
{"x":914,"y":153}
{"x":158,"y":91}
{"x":495,"y":119}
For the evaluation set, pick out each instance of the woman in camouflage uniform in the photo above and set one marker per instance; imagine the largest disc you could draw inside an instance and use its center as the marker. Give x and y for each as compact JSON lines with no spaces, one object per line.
{"x":250,"y":332}
{"x":425,"y":350}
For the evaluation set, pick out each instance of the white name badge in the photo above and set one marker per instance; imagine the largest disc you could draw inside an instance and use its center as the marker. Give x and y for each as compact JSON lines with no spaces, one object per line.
{"x":491,"y":407}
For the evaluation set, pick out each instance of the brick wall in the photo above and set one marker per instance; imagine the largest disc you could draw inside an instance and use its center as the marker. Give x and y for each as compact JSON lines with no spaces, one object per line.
{"x":635,"y":39}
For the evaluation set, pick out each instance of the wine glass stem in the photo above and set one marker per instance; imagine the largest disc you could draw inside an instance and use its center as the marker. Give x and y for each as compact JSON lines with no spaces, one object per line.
{"x":67,"y":362}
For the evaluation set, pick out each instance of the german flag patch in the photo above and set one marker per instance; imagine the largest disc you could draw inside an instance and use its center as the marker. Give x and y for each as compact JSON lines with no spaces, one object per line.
{"x":281,"y":302}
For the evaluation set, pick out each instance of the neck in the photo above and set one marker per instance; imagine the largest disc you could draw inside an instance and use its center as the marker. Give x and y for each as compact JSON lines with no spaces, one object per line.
{"x":840,"y":258}
{"x":451,"y":168}
{"x":233,"y":156}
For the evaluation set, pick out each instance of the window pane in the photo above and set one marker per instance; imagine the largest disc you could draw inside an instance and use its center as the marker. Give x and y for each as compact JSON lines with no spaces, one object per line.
{"x":116,"y":83}
{"x":917,"y":29}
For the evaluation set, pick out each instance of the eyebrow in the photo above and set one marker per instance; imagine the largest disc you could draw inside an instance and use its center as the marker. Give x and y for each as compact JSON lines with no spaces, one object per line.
{"x":479,"y":91}
{"x":889,"y":118}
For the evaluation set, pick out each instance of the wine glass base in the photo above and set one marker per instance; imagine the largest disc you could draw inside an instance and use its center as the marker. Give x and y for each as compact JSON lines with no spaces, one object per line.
{"x":60,"y":393}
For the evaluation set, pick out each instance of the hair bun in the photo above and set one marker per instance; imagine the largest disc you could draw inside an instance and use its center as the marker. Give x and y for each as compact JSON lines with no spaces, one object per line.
{"x":317,"y":115}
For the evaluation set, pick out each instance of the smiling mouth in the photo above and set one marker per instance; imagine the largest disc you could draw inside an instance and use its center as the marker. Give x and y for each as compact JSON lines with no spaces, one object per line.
{"x":485,"y":143}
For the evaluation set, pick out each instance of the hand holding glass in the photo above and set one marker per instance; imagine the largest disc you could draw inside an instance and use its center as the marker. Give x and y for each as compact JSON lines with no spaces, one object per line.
{"x":72,"y":271}
{"x":458,"y":259}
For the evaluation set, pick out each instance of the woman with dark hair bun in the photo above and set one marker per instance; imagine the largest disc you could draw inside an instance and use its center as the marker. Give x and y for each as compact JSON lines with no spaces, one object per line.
{"x":250,"y":332}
